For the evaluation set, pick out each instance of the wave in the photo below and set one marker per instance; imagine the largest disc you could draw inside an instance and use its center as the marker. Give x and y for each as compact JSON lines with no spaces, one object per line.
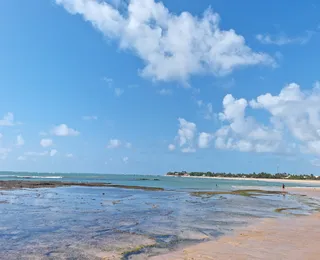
{"x":39,"y":177}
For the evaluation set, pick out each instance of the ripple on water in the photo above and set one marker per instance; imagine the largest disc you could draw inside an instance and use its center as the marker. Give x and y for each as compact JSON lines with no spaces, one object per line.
{"x":89,"y":223}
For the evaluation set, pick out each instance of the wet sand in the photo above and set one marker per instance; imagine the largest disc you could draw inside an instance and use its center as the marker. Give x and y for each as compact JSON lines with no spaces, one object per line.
{"x":284,"y":238}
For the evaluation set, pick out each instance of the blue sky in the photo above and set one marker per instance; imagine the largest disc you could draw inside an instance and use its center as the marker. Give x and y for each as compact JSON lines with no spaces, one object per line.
{"x":142,"y":86}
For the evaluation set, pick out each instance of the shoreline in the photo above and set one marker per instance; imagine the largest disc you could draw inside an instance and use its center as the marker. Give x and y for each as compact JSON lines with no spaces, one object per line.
{"x":253,"y":179}
{"x":284,"y":239}
{"x":294,"y":237}
{"x":260,"y":239}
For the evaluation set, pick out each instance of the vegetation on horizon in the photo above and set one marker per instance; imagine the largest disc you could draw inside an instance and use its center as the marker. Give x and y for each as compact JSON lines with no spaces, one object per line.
{"x":261,"y":175}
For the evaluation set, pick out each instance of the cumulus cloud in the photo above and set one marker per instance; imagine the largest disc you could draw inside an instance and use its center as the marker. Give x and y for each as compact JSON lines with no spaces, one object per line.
{"x":46,"y":142}
{"x":244,"y":133}
{"x":297,"y":111}
{"x":53,"y":152}
{"x":204,"y":140}
{"x":20,"y":140}
{"x":282,"y":39}
{"x":293,"y":123}
{"x":64,"y":130}
{"x":22,"y":158}
{"x":172,"y":47}
{"x":185,"y":138}
{"x":7,"y":120}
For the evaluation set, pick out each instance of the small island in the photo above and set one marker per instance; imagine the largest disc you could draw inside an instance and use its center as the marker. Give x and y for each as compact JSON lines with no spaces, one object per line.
{"x":261,"y":175}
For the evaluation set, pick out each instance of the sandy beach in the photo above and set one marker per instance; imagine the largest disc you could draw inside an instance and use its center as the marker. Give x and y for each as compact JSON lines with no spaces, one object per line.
{"x":257,"y":179}
{"x":284,"y":238}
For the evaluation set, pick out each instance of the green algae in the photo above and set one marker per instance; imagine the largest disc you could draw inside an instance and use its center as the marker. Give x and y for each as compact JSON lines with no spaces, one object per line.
{"x":281,"y":210}
{"x":246,"y":193}
{"x":135,"y":187}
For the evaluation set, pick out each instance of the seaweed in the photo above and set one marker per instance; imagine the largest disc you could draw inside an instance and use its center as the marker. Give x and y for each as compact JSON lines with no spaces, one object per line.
{"x":246,"y":193}
{"x":280,"y":210}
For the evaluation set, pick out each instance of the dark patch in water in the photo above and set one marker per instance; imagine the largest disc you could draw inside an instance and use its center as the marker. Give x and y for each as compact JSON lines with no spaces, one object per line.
{"x":246,"y":193}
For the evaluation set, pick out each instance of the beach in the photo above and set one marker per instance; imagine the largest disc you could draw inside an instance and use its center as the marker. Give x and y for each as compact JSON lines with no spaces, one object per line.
{"x":290,"y":238}
{"x":147,"y":217}
{"x":294,"y":238}
{"x":256,"y":179}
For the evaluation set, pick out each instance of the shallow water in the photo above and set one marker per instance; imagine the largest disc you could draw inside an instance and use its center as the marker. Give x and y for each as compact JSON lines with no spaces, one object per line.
{"x":167,"y":182}
{"x":91,"y":222}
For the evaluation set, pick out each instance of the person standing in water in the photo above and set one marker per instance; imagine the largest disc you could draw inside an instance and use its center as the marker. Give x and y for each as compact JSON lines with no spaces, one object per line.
{"x":283,"y":187}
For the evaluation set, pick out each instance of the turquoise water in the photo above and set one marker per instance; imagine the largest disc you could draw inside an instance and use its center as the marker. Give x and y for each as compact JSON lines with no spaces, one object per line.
{"x":88,"y":222}
{"x":167,"y":182}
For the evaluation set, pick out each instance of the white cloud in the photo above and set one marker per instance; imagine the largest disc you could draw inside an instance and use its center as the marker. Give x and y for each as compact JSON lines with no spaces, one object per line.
{"x":46,"y":142}
{"x":69,"y":155}
{"x":165,"y":92}
{"x":64,"y":130}
{"x":7,"y":120}
{"x":125,"y":159}
{"x":36,"y":153}
{"x":53,"y":152}
{"x":114,"y":143}
{"x":22,"y":158}
{"x":20,"y":140}
{"x":204,"y":140}
{"x":172,"y":47}
{"x":171,"y":147}
{"x":185,"y":137}
{"x":243,"y":133}
{"x":87,"y":118}
{"x":118,"y":92}
{"x":1,"y":135}
{"x":293,"y":123}
{"x":282,"y":39}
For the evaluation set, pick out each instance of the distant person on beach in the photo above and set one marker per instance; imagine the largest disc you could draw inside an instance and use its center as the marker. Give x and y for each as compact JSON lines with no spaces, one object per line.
{"x":283,"y":187}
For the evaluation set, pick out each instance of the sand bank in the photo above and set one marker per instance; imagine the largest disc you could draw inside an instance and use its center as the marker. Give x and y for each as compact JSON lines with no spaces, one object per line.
{"x":312,"y":182}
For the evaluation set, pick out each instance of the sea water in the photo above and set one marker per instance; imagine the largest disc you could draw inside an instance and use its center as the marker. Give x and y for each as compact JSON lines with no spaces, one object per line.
{"x":92,"y":222}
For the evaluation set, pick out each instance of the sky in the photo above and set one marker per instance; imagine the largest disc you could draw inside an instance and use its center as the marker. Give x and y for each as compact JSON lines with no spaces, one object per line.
{"x":147,"y":87}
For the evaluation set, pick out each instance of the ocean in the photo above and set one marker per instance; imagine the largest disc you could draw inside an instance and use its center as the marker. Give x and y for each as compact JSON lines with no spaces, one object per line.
{"x":95,"y":222}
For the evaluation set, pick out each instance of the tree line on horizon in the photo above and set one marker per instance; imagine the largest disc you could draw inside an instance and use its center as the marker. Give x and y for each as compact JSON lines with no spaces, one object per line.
{"x":261,"y":175}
